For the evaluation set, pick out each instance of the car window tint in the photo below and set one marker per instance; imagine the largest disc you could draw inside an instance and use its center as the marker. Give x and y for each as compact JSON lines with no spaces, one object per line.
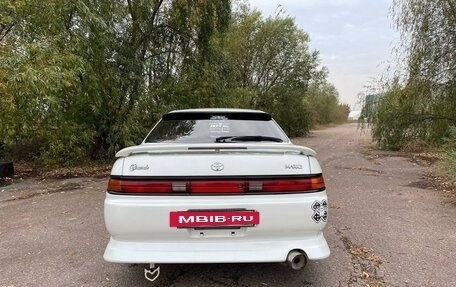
{"x":207,"y":130}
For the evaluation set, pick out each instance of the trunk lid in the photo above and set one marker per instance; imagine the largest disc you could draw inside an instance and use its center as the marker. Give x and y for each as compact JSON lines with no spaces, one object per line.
{"x":207,"y":160}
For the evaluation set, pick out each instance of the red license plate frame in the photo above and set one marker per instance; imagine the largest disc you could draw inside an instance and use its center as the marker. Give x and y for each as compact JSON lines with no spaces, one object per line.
{"x":214,"y":219}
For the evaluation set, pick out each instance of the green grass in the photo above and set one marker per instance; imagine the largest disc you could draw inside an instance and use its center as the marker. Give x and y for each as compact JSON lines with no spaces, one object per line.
{"x":448,"y":166}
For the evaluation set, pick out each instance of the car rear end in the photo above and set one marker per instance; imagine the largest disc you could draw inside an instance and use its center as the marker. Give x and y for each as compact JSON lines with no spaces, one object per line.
{"x":214,"y":201}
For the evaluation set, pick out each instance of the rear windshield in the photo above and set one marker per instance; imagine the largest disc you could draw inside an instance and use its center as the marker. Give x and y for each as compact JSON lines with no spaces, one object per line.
{"x":213,"y":128}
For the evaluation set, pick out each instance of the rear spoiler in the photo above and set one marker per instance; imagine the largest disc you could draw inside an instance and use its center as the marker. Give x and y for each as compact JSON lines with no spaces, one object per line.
{"x":152,"y":148}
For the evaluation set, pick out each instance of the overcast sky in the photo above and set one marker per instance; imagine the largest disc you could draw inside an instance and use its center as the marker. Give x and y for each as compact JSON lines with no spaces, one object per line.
{"x":355,"y":38}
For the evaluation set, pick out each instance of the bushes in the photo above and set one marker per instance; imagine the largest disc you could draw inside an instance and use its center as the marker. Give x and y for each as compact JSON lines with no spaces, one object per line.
{"x":448,"y":163}
{"x":420,"y":103}
{"x":411,"y":113}
{"x":323,"y":104}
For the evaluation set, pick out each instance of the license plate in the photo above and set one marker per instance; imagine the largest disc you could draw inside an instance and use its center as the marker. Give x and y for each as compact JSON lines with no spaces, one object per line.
{"x":193,"y":219}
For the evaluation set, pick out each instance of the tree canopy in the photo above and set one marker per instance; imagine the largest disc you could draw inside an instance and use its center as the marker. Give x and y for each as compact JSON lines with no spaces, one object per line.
{"x":419,"y":103}
{"x":82,"y":79}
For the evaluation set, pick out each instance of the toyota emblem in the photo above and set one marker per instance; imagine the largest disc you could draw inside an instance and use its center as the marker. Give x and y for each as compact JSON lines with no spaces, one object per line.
{"x":217,"y":166}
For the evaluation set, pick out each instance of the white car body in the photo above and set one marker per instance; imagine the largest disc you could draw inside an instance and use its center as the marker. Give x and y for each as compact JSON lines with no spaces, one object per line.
{"x":141,"y":224}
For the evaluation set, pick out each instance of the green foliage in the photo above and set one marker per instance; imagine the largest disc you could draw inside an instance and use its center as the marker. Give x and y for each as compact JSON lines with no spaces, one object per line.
{"x":448,"y":164}
{"x":82,"y":79}
{"x":324,"y":104}
{"x":274,"y":62}
{"x":406,"y":114}
{"x":421,"y":105}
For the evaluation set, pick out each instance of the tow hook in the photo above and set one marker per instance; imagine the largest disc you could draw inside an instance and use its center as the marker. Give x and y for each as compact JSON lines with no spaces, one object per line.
{"x":152,"y":272}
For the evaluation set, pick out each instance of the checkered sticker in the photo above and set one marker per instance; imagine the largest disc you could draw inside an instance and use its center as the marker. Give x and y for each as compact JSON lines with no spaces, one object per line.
{"x":320,"y":209}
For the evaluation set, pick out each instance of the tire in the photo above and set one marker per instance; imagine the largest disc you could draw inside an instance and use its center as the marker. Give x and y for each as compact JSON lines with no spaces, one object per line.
{"x":6,"y":169}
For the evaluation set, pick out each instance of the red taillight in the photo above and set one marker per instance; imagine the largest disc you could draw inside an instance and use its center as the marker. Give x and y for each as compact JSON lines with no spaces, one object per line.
{"x":236,"y":186}
{"x":140,"y":186}
{"x":211,"y":186}
{"x":287,"y":185}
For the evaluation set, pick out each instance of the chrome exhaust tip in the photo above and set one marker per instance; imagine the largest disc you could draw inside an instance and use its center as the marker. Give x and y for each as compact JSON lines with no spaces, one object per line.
{"x":296,"y":259}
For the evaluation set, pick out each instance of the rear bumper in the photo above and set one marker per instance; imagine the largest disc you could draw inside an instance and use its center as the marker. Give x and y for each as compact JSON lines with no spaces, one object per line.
{"x":140,"y":231}
{"x":210,"y":251}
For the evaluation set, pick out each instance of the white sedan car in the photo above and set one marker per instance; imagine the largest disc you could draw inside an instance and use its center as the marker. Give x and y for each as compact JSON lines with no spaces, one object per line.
{"x":216,"y":186}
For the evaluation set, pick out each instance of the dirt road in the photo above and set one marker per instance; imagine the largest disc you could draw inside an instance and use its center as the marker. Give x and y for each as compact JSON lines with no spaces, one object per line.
{"x":384,"y":230}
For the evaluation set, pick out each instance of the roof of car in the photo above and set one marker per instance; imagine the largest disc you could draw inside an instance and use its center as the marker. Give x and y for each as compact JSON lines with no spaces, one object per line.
{"x":217,"y":110}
